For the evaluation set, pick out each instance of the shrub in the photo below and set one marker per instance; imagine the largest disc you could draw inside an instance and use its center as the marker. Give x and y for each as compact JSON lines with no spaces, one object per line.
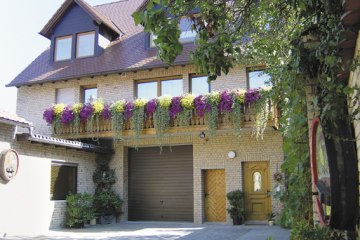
{"x":107,"y":202}
{"x":236,"y":200}
{"x":79,"y":209}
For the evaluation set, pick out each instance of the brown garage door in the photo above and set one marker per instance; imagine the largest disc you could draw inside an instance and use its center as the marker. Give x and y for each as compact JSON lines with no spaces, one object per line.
{"x":161,"y":185}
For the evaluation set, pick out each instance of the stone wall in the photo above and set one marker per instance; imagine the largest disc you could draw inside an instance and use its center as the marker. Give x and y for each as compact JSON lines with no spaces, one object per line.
{"x":25,"y":200}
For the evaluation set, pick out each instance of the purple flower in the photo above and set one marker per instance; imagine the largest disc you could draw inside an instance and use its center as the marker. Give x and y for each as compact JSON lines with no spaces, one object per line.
{"x":226,"y":102}
{"x":128,"y":110}
{"x":175,"y":107}
{"x":106,"y":112}
{"x":201,"y":106}
{"x":49,"y":115}
{"x":151,"y":107}
{"x":85,"y":112}
{"x":252,"y":95}
{"x":67,"y":116}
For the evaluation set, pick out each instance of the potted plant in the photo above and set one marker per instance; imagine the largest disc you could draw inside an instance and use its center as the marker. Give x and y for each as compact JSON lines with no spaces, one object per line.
{"x":236,"y":210}
{"x":271,"y":217}
{"x":79,"y":209}
{"x":108,"y":204}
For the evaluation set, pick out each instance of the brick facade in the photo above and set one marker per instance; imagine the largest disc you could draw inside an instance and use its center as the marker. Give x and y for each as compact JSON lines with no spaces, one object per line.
{"x":26,"y":198}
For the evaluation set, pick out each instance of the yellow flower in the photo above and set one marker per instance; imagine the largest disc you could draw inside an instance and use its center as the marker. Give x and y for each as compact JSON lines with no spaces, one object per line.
{"x":213,"y":97}
{"x":187,"y":101}
{"x":267,"y":89}
{"x":77,"y":107}
{"x":98,"y":106}
{"x":59,"y":108}
{"x":139,"y":103}
{"x":118,"y":106}
{"x":240,"y":94}
{"x":165,"y":101}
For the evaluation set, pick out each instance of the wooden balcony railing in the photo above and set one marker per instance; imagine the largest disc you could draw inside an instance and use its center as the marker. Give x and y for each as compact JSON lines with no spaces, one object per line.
{"x":104,"y":129}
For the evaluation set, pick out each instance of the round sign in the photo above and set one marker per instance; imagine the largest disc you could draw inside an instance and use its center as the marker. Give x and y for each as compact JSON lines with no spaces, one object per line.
{"x":9,"y":164}
{"x":320,"y":173}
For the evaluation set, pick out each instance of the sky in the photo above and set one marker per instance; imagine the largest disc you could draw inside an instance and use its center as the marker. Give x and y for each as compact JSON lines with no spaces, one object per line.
{"x":20,"y":42}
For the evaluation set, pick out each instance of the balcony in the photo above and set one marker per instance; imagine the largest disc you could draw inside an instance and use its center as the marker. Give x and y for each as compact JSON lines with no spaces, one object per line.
{"x":197,"y":124}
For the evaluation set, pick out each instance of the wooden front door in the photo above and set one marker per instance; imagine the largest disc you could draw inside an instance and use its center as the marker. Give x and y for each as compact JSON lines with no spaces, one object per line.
{"x":256,"y":189}
{"x":215,"y":195}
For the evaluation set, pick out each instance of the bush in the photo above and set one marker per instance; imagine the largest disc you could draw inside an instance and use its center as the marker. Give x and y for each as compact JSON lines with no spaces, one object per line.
{"x":236,"y":200}
{"x":304,"y":231}
{"x":107,"y":202}
{"x":79,"y":209}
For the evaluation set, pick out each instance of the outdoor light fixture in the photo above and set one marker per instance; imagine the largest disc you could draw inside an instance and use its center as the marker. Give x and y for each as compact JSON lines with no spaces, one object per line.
{"x":202,"y":135}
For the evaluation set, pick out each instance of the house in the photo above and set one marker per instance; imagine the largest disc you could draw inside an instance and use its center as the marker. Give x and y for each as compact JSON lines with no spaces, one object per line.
{"x":98,"y":52}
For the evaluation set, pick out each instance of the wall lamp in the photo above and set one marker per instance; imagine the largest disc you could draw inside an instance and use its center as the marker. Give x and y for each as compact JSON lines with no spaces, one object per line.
{"x":202,"y":135}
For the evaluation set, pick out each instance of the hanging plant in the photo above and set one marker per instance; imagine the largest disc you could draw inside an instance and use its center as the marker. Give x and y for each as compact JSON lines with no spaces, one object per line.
{"x":187,"y":104}
{"x":76,"y":112}
{"x":212,"y":113}
{"x":237,"y":111}
{"x":162,"y":116}
{"x":97,"y":107}
{"x":117,"y":117}
{"x":262,"y":112}
{"x":137,"y":119}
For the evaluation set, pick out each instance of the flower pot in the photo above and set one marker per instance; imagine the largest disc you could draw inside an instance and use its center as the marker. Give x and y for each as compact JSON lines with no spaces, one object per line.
{"x":271,"y":223}
{"x":107,"y":219}
{"x":237,"y":220}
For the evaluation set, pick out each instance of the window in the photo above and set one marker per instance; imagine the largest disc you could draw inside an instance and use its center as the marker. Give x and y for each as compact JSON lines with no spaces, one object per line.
{"x":65,"y":95}
{"x":63,"y":180}
{"x":187,"y":34}
{"x":63,"y":48}
{"x":89,"y":94}
{"x":199,"y":85}
{"x":258,"y":79}
{"x":85,"y":45}
{"x":150,"y":89}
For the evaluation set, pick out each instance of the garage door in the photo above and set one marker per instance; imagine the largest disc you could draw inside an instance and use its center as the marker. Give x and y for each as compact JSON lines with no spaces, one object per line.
{"x":161,"y":185}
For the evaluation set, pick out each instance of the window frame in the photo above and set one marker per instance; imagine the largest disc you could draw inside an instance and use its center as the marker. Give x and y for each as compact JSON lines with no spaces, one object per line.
{"x":158,"y":81}
{"x":60,"y":164}
{"x":252,"y":69}
{"x":83,"y":88}
{"x":191,"y":76}
{"x":77,"y":44}
{"x":189,"y":40}
{"x":56,"y":50}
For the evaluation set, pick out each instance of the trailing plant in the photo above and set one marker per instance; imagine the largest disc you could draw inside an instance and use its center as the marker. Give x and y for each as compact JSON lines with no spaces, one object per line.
{"x":79,"y":209}
{"x":187,"y":104}
{"x":161,"y":115}
{"x":262,"y":111}
{"x":138,"y":117}
{"x":212,"y":113}
{"x":76,"y":111}
{"x":237,"y":110}
{"x":117,"y":117}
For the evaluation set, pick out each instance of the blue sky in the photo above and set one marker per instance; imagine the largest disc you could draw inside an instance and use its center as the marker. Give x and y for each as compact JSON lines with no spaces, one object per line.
{"x":20,"y":42}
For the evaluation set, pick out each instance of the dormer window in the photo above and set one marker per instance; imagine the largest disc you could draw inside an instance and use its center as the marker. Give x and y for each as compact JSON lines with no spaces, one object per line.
{"x":85,"y":45}
{"x":63,"y":48}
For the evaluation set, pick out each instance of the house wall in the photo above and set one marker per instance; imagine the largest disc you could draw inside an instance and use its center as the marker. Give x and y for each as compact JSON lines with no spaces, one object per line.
{"x":33,"y":100}
{"x":354,"y":81}
{"x":25,"y":200}
{"x":210,"y":154}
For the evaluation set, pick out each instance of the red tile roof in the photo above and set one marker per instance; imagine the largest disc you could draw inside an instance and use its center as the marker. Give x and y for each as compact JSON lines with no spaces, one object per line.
{"x":12,"y":119}
{"x":129,"y":53}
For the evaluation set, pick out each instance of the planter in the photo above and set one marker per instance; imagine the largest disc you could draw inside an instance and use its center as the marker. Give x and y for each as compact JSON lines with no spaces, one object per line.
{"x":237,"y":220}
{"x":107,"y":219}
{"x":271,"y":223}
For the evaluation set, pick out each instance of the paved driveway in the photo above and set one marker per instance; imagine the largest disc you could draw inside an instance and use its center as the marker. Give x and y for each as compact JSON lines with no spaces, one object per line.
{"x":166,"y":230}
